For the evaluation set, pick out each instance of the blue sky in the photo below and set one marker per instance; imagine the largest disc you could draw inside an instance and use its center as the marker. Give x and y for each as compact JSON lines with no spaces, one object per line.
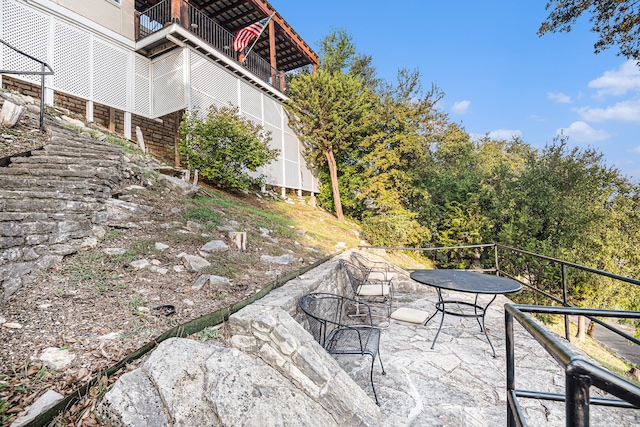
{"x":498,"y":76}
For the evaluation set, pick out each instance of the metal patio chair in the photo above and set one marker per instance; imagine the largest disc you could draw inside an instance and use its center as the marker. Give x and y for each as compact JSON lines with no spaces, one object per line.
{"x":327,"y":316}
{"x":378,"y":270}
{"x":375,"y":292}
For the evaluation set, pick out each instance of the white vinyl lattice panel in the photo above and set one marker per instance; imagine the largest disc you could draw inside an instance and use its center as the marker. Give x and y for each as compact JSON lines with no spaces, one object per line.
{"x":250,"y":100}
{"x":291,"y":147}
{"x":273,"y":172}
{"x":28,"y":31}
{"x":168,"y":84}
{"x":272,"y":111}
{"x":71,"y":60}
{"x":110,"y":73}
{"x":213,"y":81}
{"x":141,"y":83}
{"x":201,"y":102}
{"x":308,"y":182}
{"x":291,"y":174}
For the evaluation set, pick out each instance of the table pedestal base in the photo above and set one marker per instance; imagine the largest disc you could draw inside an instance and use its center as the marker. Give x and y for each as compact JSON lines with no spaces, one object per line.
{"x":478,"y":314}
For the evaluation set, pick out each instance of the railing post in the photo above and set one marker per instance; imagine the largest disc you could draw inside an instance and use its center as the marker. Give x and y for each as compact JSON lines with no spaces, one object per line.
{"x":175,"y":11}
{"x":577,"y":403}
{"x":42,"y":99}
{"x":511,"y":371}
{"x":136,"y":25}
{"x":495,"y":255}
{"x":565,"y":300}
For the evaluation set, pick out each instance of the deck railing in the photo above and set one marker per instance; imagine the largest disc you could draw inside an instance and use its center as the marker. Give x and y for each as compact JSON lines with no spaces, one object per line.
{"x":213,"y":34}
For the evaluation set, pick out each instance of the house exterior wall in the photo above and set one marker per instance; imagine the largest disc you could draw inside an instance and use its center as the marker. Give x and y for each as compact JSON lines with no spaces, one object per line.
{"x":96,"y":70}
{"x":116,"y":15}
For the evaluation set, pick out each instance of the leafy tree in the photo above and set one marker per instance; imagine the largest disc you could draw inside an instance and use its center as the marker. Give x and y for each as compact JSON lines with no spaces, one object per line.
{"x":617,"y":22}
{"x":224,"y":147}
{"x":330,"y":110}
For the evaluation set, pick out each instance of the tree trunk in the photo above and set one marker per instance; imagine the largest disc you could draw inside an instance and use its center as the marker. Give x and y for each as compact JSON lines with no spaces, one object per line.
{"x":333,"y":172}
{"x":581,"y":328}
{"x":591,"y":328}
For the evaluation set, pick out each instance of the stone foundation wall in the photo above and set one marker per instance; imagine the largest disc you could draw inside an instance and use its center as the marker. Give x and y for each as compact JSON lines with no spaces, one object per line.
{"x":25,"y":88}
{"x":159,"y":134}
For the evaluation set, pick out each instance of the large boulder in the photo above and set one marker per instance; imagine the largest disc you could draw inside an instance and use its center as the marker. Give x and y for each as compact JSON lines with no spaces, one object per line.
{"x":204,"y":384}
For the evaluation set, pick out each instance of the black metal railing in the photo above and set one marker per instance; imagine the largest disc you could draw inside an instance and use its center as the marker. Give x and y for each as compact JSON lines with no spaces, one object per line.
{"x":199,"y":24}
{"x":518,"y":265}
{"x":42,"y":73}
{"x":580,"y":374}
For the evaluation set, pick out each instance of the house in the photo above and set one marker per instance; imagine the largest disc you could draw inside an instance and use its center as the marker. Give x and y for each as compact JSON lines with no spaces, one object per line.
{"x":129,"y":64}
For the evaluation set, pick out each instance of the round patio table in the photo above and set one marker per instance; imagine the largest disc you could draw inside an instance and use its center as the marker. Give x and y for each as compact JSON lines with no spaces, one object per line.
{"x":469,"y":282}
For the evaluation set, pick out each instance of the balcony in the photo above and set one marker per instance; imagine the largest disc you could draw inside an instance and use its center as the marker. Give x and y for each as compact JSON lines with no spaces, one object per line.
{"x":278,"y":50}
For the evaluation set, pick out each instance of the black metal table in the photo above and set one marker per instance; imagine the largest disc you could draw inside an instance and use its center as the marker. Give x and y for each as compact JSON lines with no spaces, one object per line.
{"x":464,"y":281}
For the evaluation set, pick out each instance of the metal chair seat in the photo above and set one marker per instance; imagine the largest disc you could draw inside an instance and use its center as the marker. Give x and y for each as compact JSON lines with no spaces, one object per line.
{"x":328,"y":320}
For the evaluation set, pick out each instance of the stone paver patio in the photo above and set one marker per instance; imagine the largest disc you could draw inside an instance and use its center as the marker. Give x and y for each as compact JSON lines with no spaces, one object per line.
{"x":459,"y":383}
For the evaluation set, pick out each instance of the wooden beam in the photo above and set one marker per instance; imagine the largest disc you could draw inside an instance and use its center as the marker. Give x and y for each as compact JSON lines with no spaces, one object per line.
{"x":112,"y":119}
{"x":272,"y":52}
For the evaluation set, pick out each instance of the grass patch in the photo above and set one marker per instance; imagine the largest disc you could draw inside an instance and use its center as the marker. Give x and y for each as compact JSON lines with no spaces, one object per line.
{"x":126,"y":145}
{"x":594,"y":349}
{"x":202,"y":214}
{"x":93,"y":270}
{"x":210,"y":333}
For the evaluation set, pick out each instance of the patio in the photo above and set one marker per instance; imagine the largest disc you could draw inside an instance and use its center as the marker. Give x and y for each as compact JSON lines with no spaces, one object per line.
{"x":459,"y":383}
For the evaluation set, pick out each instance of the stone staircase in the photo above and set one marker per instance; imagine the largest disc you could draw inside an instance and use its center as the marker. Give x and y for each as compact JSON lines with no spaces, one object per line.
{"x":51,"y":200}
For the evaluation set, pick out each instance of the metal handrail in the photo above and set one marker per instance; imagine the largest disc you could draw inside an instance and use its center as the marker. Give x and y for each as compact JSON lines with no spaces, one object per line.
{"x":41,"y":73}
{"x":580,"y":374}
{"x":199,"y":24}
{"x":564,"y":264}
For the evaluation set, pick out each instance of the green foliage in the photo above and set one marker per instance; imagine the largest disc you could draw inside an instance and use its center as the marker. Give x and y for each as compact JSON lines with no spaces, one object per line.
{"x":225,"y":148}
{"x":615,"y":21}
{"x":392,"y":229}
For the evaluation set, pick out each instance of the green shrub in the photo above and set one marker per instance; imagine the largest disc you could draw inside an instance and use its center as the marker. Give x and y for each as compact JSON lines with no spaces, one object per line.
{"x":392,"y":229}
{"x":225,"y":147}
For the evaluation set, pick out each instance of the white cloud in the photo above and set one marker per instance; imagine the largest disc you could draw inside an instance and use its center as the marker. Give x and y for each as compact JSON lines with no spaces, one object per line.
{"x":582,"y":132}
{"x":559,"y":98}
{"x":505,"y":134}
{"x":461,"y":107}
{"x":625,"y":111}
{"x":636,"y":150}
{"x":618,"y":82}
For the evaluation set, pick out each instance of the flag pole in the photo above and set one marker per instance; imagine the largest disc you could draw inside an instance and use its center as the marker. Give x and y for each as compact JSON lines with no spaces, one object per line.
{"x":256,"y":40}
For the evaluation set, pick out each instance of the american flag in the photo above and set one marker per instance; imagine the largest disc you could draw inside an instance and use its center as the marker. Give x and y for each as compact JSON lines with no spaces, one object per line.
{"x":244,"y":36}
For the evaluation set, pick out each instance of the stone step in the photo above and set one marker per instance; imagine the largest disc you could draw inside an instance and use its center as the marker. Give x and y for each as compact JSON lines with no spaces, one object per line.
{"x":66,"y":160}
{"x":83,"y":142}
{"x":48,"y":205}
{"x":82,"y":195}
{"x":21,"y":182}
{"x":45,"y":172}
{"x":80,"y":153}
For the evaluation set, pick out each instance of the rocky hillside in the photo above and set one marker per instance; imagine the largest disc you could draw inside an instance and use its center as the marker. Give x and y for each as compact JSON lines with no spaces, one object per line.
{"x":153,"y":253}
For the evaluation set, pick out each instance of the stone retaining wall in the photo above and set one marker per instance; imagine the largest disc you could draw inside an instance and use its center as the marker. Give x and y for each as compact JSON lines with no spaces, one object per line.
{"x":272,"y":330}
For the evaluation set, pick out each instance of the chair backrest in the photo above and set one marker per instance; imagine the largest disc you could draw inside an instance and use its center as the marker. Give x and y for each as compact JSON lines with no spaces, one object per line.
{"x":357,"y":275}
{"x":324,"y":313}
{"x":360,"y":260}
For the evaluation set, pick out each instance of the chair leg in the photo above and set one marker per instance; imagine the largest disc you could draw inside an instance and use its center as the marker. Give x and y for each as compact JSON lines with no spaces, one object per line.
{"x":373,"y":360}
